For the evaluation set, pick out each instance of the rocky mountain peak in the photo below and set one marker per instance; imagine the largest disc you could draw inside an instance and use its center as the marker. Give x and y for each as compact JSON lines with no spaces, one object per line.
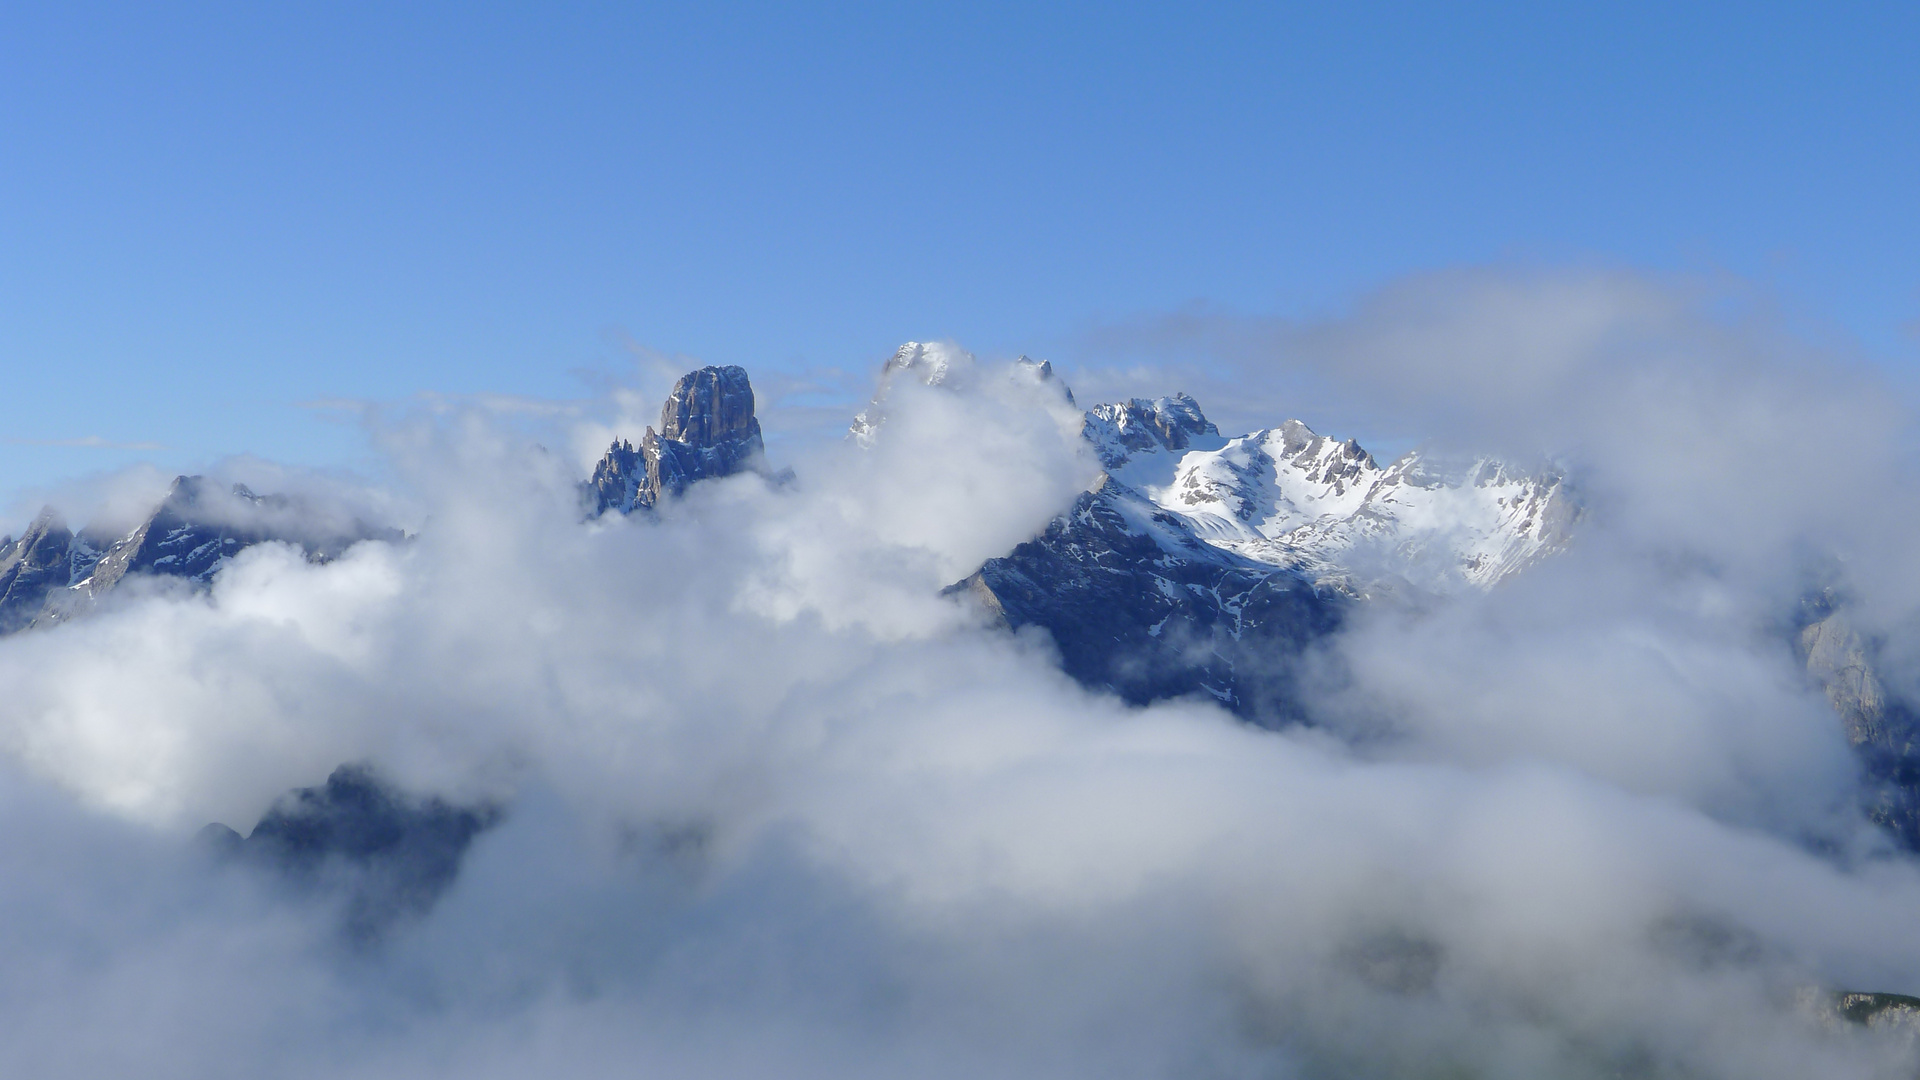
{"x":710,"y":406}
{"x":49,"y":528}
{"x":190,"y":492}
{"x":391,"y":854}
{"x":930,"y":362}
{"x":707,"y":429}
{"x":1041,"y":372}
{"x":33,"y":566}
{"x":1123,"y":428}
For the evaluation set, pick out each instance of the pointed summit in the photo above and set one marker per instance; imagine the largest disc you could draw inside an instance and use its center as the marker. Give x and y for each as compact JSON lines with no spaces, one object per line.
{"x":1041,"y":372}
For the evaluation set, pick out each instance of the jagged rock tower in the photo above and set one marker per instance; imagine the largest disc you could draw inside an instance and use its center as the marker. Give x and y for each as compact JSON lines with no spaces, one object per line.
{"x":707,"y":429}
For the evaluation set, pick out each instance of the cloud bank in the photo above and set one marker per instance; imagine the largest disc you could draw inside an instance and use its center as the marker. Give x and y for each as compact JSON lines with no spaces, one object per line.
{"x":777,"y":808}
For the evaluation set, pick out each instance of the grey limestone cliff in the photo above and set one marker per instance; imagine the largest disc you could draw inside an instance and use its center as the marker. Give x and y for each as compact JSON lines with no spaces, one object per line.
{"x":707,"y":429}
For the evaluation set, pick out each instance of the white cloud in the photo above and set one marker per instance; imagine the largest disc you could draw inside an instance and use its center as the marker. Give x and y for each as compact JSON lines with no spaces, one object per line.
{"x":780,"y":809}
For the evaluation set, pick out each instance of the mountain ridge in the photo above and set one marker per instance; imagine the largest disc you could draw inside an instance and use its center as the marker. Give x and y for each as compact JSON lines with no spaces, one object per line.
{"x":52,"y":573}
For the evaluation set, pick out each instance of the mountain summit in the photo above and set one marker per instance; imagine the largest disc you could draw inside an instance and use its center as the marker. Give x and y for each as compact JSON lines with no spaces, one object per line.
{"x":707,"y":429}
{"x":1201,"y":563}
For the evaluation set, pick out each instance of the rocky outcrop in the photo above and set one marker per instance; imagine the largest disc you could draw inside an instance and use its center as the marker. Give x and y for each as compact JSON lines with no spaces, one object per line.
{"x":707,"y":429}
{"x":51,"y":573}
{"x":386,"y":855}
{"x":1040,"y":373}
{"x":1887,"y":1011}
{"x":926,"y":363}
{"x":1883,"y":730}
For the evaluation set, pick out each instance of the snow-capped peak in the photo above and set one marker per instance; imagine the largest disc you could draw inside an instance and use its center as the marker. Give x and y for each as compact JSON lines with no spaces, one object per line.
{"x":1290,"y":497}
{"x":930,"y":362}
{"x":1120,"y":430}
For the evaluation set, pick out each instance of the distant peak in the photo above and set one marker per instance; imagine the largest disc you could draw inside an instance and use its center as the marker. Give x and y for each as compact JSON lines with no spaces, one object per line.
{"x":930,"y":362}
{"x":187,"y":488}
{"x":1041,"y":371}
{"x":46,"y":521}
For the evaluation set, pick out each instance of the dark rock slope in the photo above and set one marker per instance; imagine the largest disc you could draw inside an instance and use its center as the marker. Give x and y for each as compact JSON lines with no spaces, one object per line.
{"x":707,"y":429}
{"x":1140,"y":606}
{"x":384,"y":854}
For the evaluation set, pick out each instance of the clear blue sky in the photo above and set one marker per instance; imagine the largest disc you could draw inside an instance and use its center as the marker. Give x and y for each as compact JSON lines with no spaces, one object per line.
{"x":210,"y":214}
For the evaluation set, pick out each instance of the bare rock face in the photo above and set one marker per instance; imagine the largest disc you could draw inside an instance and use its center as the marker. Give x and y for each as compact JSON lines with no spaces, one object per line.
{"x":615,"y":483}
{"x":1884,"y":730}
{"x":1838,"y":661}
{"x":707,"y":430}
{"x":712,"y":407}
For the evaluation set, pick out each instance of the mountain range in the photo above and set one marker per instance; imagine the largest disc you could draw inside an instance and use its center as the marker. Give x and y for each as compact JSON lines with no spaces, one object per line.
{"x":52,"y":573}
{"x":1194,"y":564}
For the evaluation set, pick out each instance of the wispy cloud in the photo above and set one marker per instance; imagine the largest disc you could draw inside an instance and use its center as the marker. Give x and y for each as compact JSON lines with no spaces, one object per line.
{"x":90,"y":441}
{"x":434,"y":402}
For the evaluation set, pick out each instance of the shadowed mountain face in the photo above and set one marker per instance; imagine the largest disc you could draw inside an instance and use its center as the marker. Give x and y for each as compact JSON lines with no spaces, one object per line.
{"x":51,"y":573}
{"x":1140,"y":606}
{"x":707,"y":430}
{"x":33,"y":566}
{"x":1883,"y":730}
{"x":389,"y":855}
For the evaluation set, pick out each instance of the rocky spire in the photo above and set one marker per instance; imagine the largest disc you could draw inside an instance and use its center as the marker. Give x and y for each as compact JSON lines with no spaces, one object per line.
{"x":707,"y":429}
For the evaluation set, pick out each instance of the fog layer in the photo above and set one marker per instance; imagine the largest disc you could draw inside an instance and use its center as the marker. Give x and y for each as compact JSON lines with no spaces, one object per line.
{"x":776,"y":807}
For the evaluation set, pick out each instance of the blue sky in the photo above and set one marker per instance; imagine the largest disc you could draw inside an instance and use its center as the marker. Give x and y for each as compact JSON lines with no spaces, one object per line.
{"x":212,"y":217}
